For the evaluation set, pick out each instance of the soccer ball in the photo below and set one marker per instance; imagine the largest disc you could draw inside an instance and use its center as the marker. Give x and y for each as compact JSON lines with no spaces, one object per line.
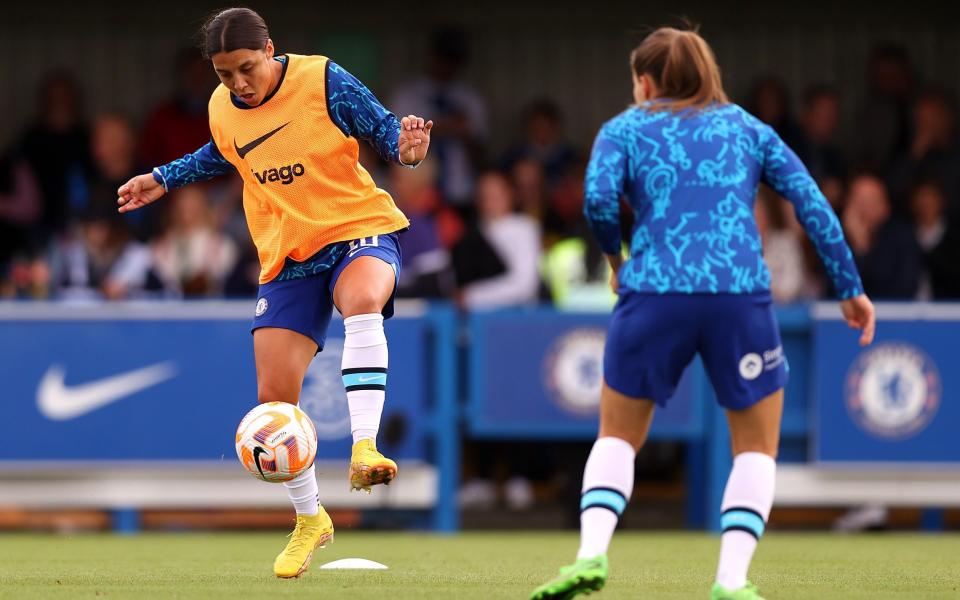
{"x":276,"y":441}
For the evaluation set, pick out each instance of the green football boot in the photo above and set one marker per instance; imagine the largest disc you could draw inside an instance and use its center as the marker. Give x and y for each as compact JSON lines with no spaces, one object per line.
{"x":747,"y":592}
{"x":582,"y":577}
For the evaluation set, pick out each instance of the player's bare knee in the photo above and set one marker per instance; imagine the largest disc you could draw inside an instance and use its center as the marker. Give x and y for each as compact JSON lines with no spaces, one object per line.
{"x":361,"y":304}
{"x":274,"y":393}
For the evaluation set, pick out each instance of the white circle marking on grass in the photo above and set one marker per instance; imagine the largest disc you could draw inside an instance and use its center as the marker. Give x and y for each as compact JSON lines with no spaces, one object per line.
{"x":353,"y":563}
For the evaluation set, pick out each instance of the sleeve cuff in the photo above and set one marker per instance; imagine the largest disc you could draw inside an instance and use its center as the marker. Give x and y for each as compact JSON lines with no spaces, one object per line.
{"x":159,"y":178}
{"x":403,"y":164}
{"x":849,"y":293}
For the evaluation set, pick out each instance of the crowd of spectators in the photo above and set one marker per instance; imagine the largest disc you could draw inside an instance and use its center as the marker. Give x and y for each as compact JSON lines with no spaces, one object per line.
{"x":488,"y":228}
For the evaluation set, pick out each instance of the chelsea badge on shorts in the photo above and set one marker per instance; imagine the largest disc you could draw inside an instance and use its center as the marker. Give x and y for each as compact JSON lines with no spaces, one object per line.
{"x":893,"y":390}
{"x":573,"y":370}
{"x":261,"y":307}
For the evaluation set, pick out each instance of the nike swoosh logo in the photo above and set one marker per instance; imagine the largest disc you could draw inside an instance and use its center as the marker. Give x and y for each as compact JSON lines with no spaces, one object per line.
{"x":256,"y":458}
{"x":242,"y":151}
{"x":58,"y":402}
{"x":351,"y":253}
{"x":374,"y":378}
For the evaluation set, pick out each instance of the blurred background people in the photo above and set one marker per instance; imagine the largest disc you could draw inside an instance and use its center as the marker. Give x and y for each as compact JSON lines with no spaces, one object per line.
{"x":542,"y":142}
{"x":100,"y":259}
{"x":20,"y":211}
{"x":427,"y":270}
{"x":179,"y":125}
{"x":514,"y":239}
{"x":458,"y":111}
{"x":883,"y":115}
{"x":939,"y":240}
{"x":191,"y":257}
{"x":56,"y":145}
{"x":782,"y":247}
{"x":818,"y":147}
{"x":113,"y":146}
{"x":769,"y":101}
{"x":530,"y":188}
{"x":563,"y":215}
{"x":57,"y":168}
{"x":885,"y":250}
{"x":933,"y":153}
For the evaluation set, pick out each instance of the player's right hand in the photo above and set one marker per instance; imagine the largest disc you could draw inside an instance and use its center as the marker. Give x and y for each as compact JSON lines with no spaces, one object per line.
{"x":615,"y":261}
{"x":138,"y":192}
{"x":614,"y":282}
{"x":859,"y":314}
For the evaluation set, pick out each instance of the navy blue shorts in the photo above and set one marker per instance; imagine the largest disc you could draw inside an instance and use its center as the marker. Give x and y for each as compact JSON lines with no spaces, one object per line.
{"x":653,"y":337}
{"x":305,"y":305}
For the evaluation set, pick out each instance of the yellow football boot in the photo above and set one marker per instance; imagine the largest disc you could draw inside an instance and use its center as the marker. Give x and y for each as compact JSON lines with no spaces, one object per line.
{"x":368,"y":467}
{"x":309,"y":534}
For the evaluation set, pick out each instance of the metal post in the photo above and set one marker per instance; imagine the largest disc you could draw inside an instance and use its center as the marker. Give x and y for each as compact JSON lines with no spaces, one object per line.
{"x":446,"y":423}
{"x":125,"y":521}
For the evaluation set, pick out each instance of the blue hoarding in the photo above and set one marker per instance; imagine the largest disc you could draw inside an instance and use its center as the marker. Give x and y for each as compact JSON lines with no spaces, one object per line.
{"x":537,"y":373}
{"x":170,"y":383}
{"x":893,"y":401}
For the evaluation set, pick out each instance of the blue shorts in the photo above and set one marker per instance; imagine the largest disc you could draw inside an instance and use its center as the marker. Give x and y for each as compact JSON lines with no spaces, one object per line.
{"x":653,"y":337}
{"x":305,"y":304}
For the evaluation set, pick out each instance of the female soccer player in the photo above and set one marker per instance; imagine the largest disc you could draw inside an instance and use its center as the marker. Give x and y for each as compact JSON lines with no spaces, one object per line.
{"x":325,"y":234}
{"x":694,"y":282}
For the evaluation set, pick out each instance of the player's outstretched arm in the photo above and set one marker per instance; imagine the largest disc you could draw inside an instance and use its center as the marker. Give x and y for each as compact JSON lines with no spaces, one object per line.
{"x":205,"y":163}
{"x":787,"y":175}
{"x":358,"y":113}
{"x":138,"y":192}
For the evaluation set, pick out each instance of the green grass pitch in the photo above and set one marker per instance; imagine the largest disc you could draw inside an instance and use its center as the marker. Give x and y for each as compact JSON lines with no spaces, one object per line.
{"x":473,"y":565}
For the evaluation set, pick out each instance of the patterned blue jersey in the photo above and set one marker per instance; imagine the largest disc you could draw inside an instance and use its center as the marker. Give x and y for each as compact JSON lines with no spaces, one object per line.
{"x":691,"y":178}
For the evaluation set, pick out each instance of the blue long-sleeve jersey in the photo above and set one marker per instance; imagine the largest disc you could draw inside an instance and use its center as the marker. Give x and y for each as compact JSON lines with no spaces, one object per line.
{"x":691,"y":178}
{"x":352,"y":106}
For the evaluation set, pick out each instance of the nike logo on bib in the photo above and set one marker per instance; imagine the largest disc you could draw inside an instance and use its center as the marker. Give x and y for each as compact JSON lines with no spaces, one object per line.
{"x":242,"y":151}
{"x":60,"y":402}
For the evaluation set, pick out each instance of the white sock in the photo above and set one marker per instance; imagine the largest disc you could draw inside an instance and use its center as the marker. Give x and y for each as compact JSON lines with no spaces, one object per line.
{"x":303,"y":492}
{"x":746,"y":507}
{"x":607,"y":484}
{"x":364,"y":370}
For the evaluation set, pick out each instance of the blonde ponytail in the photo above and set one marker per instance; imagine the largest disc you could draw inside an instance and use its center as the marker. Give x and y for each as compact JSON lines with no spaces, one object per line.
{"x":683,"y":67}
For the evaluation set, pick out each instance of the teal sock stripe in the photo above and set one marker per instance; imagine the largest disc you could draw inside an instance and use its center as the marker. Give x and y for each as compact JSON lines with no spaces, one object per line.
{"x":364,"y":378}
{"x":742,"y":519}
{"x":604,"y":498}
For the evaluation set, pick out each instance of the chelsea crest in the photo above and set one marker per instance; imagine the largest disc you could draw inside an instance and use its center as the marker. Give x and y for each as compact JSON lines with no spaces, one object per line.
{"x":893,"y":390}
{"x":573,"y":370}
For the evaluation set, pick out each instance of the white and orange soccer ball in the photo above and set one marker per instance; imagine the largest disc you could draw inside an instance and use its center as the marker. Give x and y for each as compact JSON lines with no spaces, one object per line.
{"x":276,"y":441}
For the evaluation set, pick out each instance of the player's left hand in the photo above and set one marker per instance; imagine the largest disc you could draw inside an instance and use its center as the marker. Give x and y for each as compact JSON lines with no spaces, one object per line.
{"x":860,"y":314}
{"x":414,"y":140}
